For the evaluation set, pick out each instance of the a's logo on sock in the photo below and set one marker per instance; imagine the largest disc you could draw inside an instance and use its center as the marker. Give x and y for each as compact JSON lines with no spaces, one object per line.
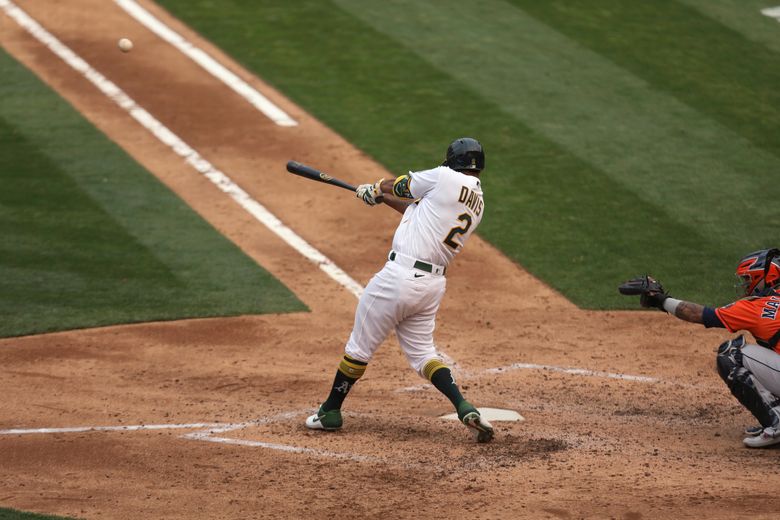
{"x":343,"y":387}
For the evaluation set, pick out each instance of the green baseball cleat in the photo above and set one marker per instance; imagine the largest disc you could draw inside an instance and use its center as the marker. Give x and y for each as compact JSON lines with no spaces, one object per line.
{"x":328,"y":421}
{"x":470,"y":416}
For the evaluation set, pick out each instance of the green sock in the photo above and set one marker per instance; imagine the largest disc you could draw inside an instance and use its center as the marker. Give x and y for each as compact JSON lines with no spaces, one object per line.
{"x":350,"y":370}
{"x":444,"y":382}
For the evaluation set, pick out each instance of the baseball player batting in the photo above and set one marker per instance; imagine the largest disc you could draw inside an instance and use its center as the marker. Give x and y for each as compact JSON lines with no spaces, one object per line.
{"x":751,"y":371}
{"x":441,"y":208}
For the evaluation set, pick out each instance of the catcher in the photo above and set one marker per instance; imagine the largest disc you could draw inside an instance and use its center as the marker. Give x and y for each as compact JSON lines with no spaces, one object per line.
{"x":751,"y":371}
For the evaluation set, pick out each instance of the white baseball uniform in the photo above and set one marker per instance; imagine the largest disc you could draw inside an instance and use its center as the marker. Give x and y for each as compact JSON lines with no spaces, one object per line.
{"x":405,"y":295}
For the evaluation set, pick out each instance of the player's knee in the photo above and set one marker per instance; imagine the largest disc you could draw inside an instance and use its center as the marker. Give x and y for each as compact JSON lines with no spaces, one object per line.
{"x":355,"y":352}
{"x":423,"y":364}
{"x":729,"y":359}
{"x":731,"y":370}
{"x":430,"y":367}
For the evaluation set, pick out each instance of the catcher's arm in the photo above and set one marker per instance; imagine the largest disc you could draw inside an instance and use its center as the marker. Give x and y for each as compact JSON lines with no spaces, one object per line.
{"x":652,"y":294}
{"x":687,"y":311}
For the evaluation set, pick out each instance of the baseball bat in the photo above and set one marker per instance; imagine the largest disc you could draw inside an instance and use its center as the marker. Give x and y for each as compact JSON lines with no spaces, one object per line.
{"x":316,"y":175}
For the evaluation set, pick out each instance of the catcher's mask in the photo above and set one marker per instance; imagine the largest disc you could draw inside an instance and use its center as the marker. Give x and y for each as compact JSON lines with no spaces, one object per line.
{"x":465,"y":154}
{"x":758,"y":273}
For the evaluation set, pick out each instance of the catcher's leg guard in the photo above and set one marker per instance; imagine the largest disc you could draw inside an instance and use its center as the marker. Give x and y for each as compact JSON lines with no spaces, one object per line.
{"x":729,"y":358}
{"x":744,"y":386}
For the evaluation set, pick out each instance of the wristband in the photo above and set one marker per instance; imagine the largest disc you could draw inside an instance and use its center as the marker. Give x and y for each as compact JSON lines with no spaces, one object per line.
{"x":376,"y":188}
{"x":671,"y":304}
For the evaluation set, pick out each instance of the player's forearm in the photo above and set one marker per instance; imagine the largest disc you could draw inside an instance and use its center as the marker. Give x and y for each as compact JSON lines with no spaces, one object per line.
{"x":387,"y":186}
{"x":687,"y":311}
{"x":399,"y":205}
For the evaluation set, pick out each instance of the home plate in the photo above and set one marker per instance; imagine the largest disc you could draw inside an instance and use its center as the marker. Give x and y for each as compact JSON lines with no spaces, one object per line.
{"x":491,"y":414}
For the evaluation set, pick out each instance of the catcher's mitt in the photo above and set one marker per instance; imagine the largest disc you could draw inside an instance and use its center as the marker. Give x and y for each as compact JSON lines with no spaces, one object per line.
{"x":651,"y":292}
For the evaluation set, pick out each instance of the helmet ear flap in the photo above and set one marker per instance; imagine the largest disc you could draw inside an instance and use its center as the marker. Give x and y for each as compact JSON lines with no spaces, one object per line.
{"x":771,"y":276}
{"x":771,"y":254}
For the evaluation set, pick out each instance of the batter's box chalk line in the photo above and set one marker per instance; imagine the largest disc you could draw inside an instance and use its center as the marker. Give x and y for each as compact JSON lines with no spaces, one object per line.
{"x":211,"y":432}
{"x":208,"y":432}
{"x":573,"y":371}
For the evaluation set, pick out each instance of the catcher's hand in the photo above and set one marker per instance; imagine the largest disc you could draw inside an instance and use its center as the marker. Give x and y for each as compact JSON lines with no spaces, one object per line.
{"x":651,"y":292}
{"x":371,"y":194}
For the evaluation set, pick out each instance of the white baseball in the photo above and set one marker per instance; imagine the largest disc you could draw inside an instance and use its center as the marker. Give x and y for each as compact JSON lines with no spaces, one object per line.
{"x":125,"y":44}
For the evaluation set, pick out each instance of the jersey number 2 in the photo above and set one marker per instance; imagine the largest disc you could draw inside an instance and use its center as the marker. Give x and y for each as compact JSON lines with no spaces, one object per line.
{"x":466,"y":219}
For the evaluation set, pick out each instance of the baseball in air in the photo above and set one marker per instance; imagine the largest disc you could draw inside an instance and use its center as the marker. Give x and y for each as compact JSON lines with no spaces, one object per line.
{"x":125,"y":44}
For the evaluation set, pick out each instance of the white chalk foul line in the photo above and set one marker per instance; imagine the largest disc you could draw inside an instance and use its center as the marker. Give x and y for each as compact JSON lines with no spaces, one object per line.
{"x":192,"y":157}
{"x":129,"y":428}
{"x":772,"y":12}
{"x":216,"y":69}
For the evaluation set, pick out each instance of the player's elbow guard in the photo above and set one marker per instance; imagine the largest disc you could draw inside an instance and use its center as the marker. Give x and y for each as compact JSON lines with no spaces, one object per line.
{"x":401,"y":187}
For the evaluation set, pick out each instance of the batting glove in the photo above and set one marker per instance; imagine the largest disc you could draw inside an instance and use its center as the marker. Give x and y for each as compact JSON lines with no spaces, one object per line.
{"x":370,"y":193}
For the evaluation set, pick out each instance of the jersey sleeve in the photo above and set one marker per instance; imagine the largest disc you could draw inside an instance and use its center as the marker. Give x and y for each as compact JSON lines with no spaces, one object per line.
{"x":422,"y":183}
{"x":710,"y":318}
{"x":740,"y":315}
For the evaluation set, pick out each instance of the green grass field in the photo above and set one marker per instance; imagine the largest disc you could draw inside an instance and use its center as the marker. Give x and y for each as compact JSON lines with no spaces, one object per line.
{"x":12,"y":514}
{"x":91,"y":238}
{"x":621,"y":137}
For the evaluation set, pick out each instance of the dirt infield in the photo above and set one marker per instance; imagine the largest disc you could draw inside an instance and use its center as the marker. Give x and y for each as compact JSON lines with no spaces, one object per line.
{"x":594,"y":445}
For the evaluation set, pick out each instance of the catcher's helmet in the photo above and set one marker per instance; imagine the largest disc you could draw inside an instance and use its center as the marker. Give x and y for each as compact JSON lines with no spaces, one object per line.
{"x":465,"y":154}
{"x":759,"y":272}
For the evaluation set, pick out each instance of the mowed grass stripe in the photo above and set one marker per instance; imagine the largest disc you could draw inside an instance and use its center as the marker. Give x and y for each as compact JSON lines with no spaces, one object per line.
{"x":684,"y":54}
{"x":90,"y":238}
{"x":44,"y":213}
{"x":646,"y":140}
{"x":743,"y":16}
{"x":349,"y":75}
{"x":569,"y":223}
{"x":572,"y":226}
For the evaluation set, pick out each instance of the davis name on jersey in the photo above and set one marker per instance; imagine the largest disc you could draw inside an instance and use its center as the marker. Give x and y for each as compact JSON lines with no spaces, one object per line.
{"x":471,"y":199}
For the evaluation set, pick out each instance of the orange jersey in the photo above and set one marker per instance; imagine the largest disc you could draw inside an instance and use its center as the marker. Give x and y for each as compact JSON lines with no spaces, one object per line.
{"x":757,"y":315}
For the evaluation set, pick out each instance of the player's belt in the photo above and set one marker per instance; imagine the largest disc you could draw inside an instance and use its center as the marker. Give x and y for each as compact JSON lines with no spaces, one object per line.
{"x":408,"y":261}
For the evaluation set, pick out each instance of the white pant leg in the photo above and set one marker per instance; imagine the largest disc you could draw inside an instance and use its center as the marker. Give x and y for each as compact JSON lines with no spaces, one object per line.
{"x":377,"y":313}
{"x":415,"y":331}
{"x":764,"y":364}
